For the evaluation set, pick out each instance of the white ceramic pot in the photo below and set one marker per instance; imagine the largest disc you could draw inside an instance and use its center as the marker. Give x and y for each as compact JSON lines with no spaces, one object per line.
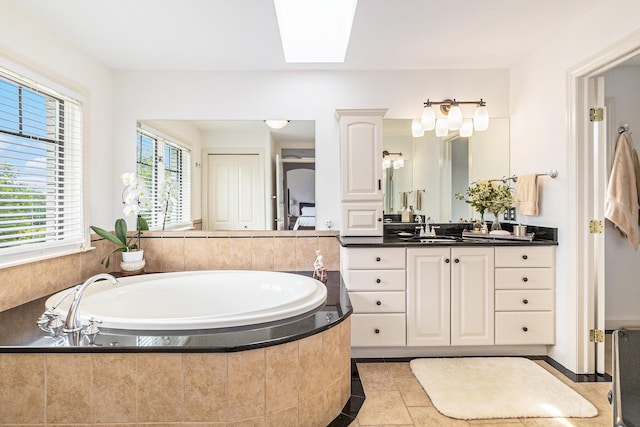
{"x":132,"y":261}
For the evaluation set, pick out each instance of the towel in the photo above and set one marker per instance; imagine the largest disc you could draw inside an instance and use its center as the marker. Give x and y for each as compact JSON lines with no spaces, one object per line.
{"x":621,"y":204}
{"x":527,"y":194}
{"x":417,"y":200}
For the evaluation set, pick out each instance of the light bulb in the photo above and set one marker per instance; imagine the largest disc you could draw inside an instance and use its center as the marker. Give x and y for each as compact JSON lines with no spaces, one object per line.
{"x":455,"y":117}
{"x":416,"y":128}
{"x":442,"y":127}
{"x":428,"y":118}
{"x":466,"y":129}
{"x":399,"y":161}
{"x":386,"y":163}
{"x":396,"y":164}
{"x":481,"y":118}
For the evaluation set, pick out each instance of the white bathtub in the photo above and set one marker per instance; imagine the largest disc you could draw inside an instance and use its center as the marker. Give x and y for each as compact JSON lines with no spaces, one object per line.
{"x":197,"y":300}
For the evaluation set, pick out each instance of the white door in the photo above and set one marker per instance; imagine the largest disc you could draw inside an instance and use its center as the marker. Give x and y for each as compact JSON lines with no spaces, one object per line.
{"x":236,"y":192}
{"x":428,"y":296}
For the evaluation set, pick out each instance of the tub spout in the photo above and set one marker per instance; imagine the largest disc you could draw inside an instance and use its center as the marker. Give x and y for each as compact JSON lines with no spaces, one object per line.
{"x":72,"y":324}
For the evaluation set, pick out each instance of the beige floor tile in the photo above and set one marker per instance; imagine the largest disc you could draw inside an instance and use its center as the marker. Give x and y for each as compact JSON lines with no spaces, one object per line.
{"x":412,"y":392}
{"x":375,"y":376}
{"x":511,"y":422}
{"x":400,"y":370}
{"x":430,"y":417}
{"x":562,"y":422}
{"x":383,"y":408}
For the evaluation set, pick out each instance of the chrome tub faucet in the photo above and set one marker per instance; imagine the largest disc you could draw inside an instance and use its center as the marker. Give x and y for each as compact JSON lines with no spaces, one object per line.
{"x":72,"y":323}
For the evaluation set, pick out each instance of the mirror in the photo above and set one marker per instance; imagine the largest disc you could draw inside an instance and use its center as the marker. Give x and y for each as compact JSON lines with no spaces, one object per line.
{"x":246,"y":175}
{"x":437,"y":168}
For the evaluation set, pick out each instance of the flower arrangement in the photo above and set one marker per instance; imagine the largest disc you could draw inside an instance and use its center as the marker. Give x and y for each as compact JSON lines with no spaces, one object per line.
{"x":488,"y":197}
{"x":134,"y":197}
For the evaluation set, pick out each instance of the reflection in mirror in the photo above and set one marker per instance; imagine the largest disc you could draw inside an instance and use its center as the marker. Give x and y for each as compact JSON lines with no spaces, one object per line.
{"x":441,"y":167}
{"x":245,"y":175}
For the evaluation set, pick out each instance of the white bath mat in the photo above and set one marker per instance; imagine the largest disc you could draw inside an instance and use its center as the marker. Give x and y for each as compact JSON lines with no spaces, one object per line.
{"x":497,"y":387}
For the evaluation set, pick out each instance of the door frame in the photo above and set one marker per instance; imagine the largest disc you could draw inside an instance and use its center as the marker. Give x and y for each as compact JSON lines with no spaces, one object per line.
{"x":582,"y":254}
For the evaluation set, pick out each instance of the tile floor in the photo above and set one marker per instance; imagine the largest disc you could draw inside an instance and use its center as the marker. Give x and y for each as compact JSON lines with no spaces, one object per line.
{"x":394,"y":397}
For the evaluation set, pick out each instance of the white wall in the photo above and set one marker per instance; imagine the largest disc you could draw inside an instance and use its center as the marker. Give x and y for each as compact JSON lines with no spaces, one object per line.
{"x":302,"y":95}
{"x":540,"y":142}
{"x":622,"y":263}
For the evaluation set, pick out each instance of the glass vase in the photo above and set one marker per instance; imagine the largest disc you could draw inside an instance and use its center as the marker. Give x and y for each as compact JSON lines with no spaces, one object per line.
{"x":495,"y":225}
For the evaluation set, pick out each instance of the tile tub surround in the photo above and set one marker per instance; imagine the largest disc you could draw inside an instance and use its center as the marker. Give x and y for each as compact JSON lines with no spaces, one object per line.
{"x":175,"y":251}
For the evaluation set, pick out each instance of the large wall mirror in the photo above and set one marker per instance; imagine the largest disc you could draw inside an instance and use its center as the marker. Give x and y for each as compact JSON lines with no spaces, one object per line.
{"x":438,"y":168}
{"x":249,"y":176}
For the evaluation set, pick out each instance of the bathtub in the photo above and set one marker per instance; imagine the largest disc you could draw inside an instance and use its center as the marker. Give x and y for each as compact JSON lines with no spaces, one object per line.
{"x":197,"y":300}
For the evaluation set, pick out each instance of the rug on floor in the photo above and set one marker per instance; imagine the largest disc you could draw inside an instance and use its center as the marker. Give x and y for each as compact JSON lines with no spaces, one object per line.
{"x":472,"y":388}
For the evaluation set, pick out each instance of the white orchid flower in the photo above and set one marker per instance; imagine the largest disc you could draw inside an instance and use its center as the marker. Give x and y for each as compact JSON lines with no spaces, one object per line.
{"x":131,"y":210}
{"x":128,"y":178}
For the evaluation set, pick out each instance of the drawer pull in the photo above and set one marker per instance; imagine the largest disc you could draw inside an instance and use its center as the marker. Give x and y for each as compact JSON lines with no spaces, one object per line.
{"x":456,"y":260}
{"x":525,"y":329}
{"x":525,"y":301}
{"x":525,"y":279}
{"x":446,"y":260}
{"x":377,"y":331}
{"x":524,"y":257}
{"x":378,"y":302}
{"x":377,"y":259}
{"x":378,"y":280}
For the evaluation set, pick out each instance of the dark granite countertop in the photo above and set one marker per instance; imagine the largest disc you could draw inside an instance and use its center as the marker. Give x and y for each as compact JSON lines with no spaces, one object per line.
{"x":19,"y":333}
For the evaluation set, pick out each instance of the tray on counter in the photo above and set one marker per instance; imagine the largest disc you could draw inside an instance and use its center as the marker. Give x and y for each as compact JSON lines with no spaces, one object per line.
{"x":471,"y":235}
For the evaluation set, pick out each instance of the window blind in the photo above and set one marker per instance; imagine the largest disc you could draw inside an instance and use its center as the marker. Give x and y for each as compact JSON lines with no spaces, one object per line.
{"x":41,"y":204}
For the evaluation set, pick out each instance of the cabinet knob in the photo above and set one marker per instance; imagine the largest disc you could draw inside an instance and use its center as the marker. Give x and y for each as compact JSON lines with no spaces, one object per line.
{"x":525,"y":301}
{"x":377,"y":331}
{"x":525,"y":329}
{"x":378,"y":302}
{"x":377,"y":259}
{"x":446,"y":260}
{"x":525,"y":279}
{"x":456,"y":260}
{"x":379,"y":219}
{"x":524,"y":257}
{"x":378,"y":280}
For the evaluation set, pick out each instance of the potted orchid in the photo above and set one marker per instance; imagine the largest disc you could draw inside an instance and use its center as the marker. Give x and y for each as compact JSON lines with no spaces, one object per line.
{"x":134,"y":197}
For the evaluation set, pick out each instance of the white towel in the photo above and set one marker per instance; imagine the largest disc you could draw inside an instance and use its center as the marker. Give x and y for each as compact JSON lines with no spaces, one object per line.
{"x":621,"y":204}
{"x":527,"y":195}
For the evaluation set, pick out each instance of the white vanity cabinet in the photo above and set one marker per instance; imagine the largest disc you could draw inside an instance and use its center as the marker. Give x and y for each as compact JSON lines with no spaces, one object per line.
{"x":361,"y":172}
{"x":375,"y":280}
{"x":524,"y":295}
{"x":450,"y":296}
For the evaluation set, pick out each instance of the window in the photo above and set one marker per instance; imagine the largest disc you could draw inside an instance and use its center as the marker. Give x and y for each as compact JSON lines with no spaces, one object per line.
{"x":161,"y":161}
{"x":41,"y":207}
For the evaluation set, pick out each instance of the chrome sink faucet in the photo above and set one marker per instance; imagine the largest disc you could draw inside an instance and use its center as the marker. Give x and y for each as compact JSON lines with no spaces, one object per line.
{"x":72,"y":324}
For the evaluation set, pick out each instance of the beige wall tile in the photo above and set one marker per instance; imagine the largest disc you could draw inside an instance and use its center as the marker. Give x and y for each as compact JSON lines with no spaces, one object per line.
{"x":332,"y":400}
{"x":286,"y":417}
{"x":306,"y":253}
{"x":218,"y":253}
{"x":90,"y":264}
{"x":15,"y":286}
{"x":331,"y":352}
{"x":330,"y":249}
{"x":195,"y":254}
{"x":311,"y":412}
{"x":205,"y":386}
{"x":311,"y":366}
{"x":281,"y":377}
{"x":69,"y":272}
{"x":153,"y":254}
{"x":246,"y":386}
{"x":262,"y":254}
{"x":345,"y":344}
{"x":45,"y":277}
{"x":284,"y":254}
{"x":173,"y":254}
{"x":239,"y":253}
{"x":68,"y":388}
{"x":159,"y":387}
{"x":22,"y":388}
{"x":113,"y":389}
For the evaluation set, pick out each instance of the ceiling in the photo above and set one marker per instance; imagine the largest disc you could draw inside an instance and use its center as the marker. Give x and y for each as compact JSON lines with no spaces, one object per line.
{"x":243,"y":34}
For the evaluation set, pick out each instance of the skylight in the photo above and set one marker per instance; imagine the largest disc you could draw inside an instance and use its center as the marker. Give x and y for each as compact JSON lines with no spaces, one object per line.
{"x":315,"y":30}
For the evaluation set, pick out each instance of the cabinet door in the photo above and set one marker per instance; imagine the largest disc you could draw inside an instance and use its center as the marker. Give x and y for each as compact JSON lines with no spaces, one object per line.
{"x":472,"y":299}
{"x":428,"y":296}
{"x":362,"y":219}
{"x":361,"y":158}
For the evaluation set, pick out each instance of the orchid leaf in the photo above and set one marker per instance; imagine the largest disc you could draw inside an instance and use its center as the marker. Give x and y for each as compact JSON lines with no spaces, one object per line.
{"x":142,"y":224}
{"x":121,"y":230}
{"x":106,"y":235}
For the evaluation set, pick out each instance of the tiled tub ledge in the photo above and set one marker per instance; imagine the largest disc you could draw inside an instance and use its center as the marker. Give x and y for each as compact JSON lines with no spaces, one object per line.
{"x":295,"y":373}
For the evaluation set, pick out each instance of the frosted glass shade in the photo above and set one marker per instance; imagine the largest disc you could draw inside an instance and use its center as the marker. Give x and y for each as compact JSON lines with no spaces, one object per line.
{"x":481,"y":119}
{"x":442,"y":127}
{"x":428,"y":118}
{"x":386,"y":163}
{"x":398,"y":163}
{"x":466,"y":129}
{"x":416,"y":128}
{"x":455,"y":117}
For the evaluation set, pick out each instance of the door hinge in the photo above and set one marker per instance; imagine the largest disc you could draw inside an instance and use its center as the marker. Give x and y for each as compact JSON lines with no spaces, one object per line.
{"x":596,"y":335}
{"x":596,"y":114}
{"x":596,"y":226}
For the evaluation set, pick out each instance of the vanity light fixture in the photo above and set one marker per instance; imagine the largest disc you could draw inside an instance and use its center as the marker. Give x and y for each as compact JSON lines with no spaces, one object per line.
{"x":453,"y":118}
{"x":416,"y":128}
{"x":392,"y":159}
{"x":276,"y":124}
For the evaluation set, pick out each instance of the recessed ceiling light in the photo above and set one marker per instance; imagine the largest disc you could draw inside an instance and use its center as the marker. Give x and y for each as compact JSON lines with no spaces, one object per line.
{"x":276,"y":124}
{"x":315,"y":30}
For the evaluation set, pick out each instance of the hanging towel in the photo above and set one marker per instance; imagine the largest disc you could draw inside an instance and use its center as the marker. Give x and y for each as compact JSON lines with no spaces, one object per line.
{"x":621,"y":204}
{"x":417,"y":200}
{"x":636,"y":169}
{"x":527,"y":194}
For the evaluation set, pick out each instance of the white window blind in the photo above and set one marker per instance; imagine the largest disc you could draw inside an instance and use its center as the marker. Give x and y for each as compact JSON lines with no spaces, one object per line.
{"x":41,"y":205}
{"x":160,"y":160}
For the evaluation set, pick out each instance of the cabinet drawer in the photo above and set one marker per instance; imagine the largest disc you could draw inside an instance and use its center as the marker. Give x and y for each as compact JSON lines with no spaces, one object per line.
{"x":375,"y":280}
{"x":525,"y":256}
{"x":516,"y":300}
{"x":377,"y":302}
{"x":375,"y":258}
{"x":534,"y":327}
{"x":524,"y":278}
{"x":378,"y":330}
